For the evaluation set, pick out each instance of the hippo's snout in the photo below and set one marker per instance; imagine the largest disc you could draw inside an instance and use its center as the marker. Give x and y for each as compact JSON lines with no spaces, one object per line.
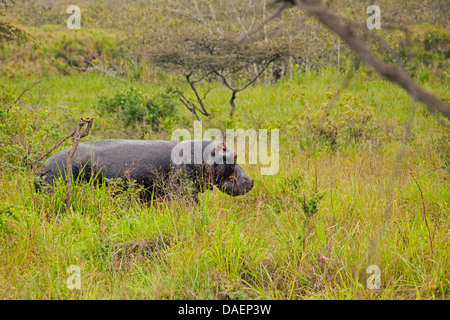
{"x":237,"y":184}
{"x":248,"y":183}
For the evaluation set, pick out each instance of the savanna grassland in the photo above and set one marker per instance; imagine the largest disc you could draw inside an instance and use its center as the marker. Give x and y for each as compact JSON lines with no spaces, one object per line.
{"x":363,"y":180}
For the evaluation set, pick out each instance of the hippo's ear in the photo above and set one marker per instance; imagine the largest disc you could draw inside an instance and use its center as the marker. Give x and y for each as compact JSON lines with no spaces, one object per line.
{"x":224,"y":151}
{"x":219,"y":153}
{"x":220,"y":149}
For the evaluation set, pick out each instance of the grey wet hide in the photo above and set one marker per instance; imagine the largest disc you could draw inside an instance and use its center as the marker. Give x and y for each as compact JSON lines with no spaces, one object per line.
{"x":160,"y":166}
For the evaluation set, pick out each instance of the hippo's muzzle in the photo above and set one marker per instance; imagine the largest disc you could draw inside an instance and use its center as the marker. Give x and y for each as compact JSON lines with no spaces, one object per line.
{"x":238,"y":183}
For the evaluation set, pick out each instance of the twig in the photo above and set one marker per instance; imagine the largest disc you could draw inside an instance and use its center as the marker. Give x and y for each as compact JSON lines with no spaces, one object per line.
{"x":76,"y":139}
{"x":56,"y":146}
{"x":192,"y":108}
{"x":25,"y":90}
{"x":390,"y":72}
{"x":236,"y":90}
{"x":83,"y":134}
{"x":344,"y":86}
{"x":200,"y":101}
{"x":265,"y":21}
{"x":189,"y":104}
{"x":400,"y":155}
{"x":424,"y":214}
{"x":97,"y":67}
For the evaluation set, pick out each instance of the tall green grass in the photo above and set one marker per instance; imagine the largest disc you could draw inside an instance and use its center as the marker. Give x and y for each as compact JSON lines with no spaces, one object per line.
{"x":263,"y":245}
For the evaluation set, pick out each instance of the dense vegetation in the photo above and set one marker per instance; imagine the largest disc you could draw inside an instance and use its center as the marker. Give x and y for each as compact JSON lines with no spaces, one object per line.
{"x":354,"y":188}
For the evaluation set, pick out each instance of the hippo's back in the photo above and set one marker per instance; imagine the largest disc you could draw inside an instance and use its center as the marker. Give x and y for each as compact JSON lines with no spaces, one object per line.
{"x":112,"y":158}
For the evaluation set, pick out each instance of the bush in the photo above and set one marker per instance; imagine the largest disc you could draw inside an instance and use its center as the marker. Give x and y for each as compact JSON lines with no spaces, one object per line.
{"x":348,"y":122}
{"x":134,"y":107}
{"x":26,"y":131}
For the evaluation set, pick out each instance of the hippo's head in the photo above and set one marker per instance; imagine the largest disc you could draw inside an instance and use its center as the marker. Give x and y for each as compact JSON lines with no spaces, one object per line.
{"x":214,"y":163}
{"x":234,"y":182}
{"x":227,"y":175}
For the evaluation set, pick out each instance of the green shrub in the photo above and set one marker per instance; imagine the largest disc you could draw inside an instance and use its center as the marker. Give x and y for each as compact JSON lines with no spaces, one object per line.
{"x":347,"y":122}
{"x":310,"y":204}
{"x":133,"y":107}
{"x":26,"y":131}
{"x":6,"y":214}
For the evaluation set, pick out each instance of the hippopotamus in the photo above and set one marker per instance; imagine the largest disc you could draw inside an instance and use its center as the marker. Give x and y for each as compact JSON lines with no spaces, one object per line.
{"x":203,"y":163}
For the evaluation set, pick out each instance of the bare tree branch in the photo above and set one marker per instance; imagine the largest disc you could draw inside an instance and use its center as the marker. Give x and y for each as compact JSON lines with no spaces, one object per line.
{"x":424,"y":211}
{"x":236,"y":90}
{"x":200,"y":16}
{"x":200,"y":101}
{"x":76,"y":139}
{"x":263,"y":24}
{"x":25,"y":90}
{"x":56,"y":145}
{"x":189,"y":105}
{"x":346,"y":32}
{"x":93,"y":66}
